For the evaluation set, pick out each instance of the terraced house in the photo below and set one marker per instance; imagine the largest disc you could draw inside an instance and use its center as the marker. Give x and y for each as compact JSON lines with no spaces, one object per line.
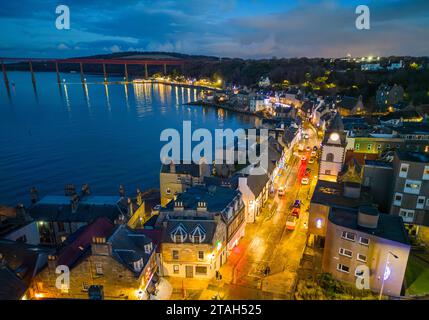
{"x":200,"y":228}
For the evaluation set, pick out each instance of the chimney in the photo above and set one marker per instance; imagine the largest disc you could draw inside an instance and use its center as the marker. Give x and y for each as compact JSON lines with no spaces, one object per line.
{"x":130,"y":207}
{"x":172,"y":167}
{"x":139,"y":197}
{"x":74,"y":201}
{"x":368,"y":217}
{"x":34,"y":195}
{"x":85,"y":189}
{"x":178,"y":206}
{"x":121,"y":191}
{"x":202,"y":206}
{"x":52,"y":262}
{"x":69,"y":190}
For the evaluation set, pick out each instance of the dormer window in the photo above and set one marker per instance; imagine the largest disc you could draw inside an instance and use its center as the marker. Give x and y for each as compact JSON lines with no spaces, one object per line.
{"x":148,"y":248}
{"x":138,"y":265}
{"x":179,"y":234}
{"x":198,"y":235}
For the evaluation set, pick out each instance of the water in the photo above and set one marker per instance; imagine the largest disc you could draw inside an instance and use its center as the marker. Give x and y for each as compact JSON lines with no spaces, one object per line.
{"x":103,"y":135}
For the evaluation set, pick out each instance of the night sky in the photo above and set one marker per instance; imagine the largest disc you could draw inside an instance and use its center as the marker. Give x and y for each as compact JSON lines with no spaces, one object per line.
{"x":227,"y":28}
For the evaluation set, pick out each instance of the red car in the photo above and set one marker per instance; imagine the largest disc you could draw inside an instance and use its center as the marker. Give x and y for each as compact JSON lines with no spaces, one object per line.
{"x":295,"y":212}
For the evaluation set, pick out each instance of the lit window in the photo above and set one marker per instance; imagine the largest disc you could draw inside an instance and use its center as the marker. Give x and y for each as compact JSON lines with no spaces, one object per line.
{"x":168,"y":191}
{"x":175,"y":254}
{"x":404,"y":170}
{"x":176,"y":269}
{"x":398,"y":199}
{"x":357,"y":146}
{"x":412,"y":186}
{"x":201,"y":270}
{"x":201,"y":255}
{"x":99,"y":269}
{"x":369,"y":146}
{"x":421,"y":202}
{"x":426,"y":173}
{"x":407,"y":215}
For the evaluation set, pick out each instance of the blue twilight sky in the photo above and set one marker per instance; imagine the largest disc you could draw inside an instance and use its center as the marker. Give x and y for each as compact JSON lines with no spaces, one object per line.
{"x":229,"y":28}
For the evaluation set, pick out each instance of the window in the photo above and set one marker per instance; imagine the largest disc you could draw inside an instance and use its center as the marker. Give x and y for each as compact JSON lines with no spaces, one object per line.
{"x":369,"y":146}
{"x":379,"y":147}
{"x":404,"y":170}
{"x":201,"y":255}
{"x":98,"y":269}
{"x":398,"y":199}
{"x":201,"y":270}
{"x":357,"y":146}
{"x":345,"y":252}
{"x":85,"y":286}
{"x":421,"y":202}
{"x":176,"y":269}
{"x":407,"y":215}
{"x":328,"y":172}
{"x":364,"y":241}
{"x":361,"y":257}
{"x":348,"y":236}
{"x":198,"y":234}
{"x":330,"y":157}
{"x":412,"y":186}
{"x":175,"y":254}
{"x":168,"y":191}
{"x":179,"y":234}
{"x":343,"y":268}
{"x":426,"y":173}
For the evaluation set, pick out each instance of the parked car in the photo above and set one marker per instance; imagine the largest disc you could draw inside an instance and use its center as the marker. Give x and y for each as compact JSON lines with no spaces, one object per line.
{"x":311,"y":161}
{"x":296,"y":204}
{"x":291,"y":223}
{"x":315,"y":148}
{"x":308,"y":148}
{"x":281,"y":192}
{"x":305,"y":181}
{"x":313,"y":153}
{"x":303,"y":158}
{"x":307,"y":171}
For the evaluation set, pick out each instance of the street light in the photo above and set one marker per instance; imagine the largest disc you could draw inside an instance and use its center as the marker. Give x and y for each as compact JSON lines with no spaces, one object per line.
{"x":386,"y":273}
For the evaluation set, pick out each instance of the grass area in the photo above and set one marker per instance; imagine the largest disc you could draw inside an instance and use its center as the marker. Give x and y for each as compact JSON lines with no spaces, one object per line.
{"x":417,"y":276}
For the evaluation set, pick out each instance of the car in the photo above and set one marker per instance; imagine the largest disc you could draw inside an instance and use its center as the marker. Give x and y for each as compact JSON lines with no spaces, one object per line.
{"x":291,"y":223}
{"x":303,"y":158}
{"x":308,"y":148}
{"x":315,"y":148}
{"x":297,"y":203}
{"x":301,"y":147}
{"x":311,"y":161}
{"x":307,"y":171}
{"x":305,"y":181}
{"x":313,"y":153}
{"x":295,"y":212}
{"x":281,"y":192}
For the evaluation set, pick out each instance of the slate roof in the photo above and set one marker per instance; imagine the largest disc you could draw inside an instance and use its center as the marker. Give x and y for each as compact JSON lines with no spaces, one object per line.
{"x":128,"y":247}
{"x":256,"y":183}
{"x":209,"y":226}
{"x":389,"y":226}
{"x":11,"y":286}
{"x":216,"y":198}
{"x":58,"y":208}
{"x":192,"y":169}
{"x":348,"y":102}
{"x":413,"y":156}
{"x":78,"y":244}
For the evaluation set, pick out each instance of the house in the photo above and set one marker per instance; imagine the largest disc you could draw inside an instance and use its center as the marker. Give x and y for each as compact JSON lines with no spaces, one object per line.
{"x":17,"y":225}
{"x":19,"y":264}
{"x":410,"y":194}
{"x":58,"y":216}
{"x":117,"y":259}
{"x":395,"y":65}
{"x":193,"y":248}
{"x":350,"y":106}
{"x":371,"y":67}
{"x":264,"y":82}
{"x":176,"y":178}
{"x":208,"y":202}
{"x":255,"y":191}
{"x":366,"y":243}
{"x":398,"y":118}
{"x":388,"y":96}
{"x":258,"y":104}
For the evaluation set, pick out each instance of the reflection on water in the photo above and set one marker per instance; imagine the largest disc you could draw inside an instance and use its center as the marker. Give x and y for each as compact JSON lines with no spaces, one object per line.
{"x":70,"y":136}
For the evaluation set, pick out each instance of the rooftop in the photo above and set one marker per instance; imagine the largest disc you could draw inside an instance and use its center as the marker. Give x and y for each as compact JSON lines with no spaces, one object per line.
{"x":389,"y":227}
{"x":208,"y":226}
{"x":413,"y":156}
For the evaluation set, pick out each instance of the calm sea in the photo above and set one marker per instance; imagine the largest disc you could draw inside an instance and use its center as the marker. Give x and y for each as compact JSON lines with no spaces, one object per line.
{"x":103,"y":135}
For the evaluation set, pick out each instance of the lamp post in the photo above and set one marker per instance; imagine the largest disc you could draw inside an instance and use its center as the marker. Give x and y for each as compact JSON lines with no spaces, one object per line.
{"x":385,"y":274}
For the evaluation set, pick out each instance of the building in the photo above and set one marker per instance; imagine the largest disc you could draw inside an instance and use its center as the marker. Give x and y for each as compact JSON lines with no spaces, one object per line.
{"x":58,"y":216}
{"x":410,"y":194}
{"x":378,"y":176}
{"x":17,"y":225}
{"x":19,"y":264}
{"x":193,"y":248}
{"x":388,"y":96}
{"x":333,"y":150}
{"x":255,"y":190}
{"x":398,"y":118}
{"x":176,"y":178}
{"x":371,"y":67}
{"x":206,"y":203}
{"x":365,"y":239}
{"x":264,"y":82}
{"x":350,"y":106}
{"x":117,"y":259}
